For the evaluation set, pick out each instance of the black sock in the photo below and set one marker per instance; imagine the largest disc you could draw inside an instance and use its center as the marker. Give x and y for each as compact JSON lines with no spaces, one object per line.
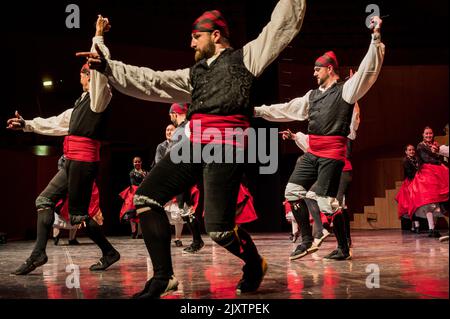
{"x":314,"y":210}
{"x":339,"y":232}
{"x":346,"y":216}
{"x":242,"y":246}
{"x":157,"y":235}
{"x":196,"y":233}
{"x":194,"y":227}
{"x":45,"y":221}
{"x":301,"y":214}
{"x":95,"y":233}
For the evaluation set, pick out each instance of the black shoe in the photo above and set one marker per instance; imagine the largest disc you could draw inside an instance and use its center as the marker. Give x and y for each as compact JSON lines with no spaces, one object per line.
{"x":31,"y":264}
{"x":194,"y":247}
{"x":252,"y":278}
{"x":106,"y":261}
{"x":178,"y":243}
{"x":338,"y":254}
{"x":434,"y":233}
{"x":133,"y":235}
{"x":74,"y":242}
{"x":156,"y":288}
{"x":56,"y":240}
{"x":303,"y":250}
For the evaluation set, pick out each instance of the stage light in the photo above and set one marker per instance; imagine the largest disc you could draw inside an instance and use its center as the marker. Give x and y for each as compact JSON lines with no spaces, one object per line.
{"x":47,"y":83}
{"x":41,"y":150}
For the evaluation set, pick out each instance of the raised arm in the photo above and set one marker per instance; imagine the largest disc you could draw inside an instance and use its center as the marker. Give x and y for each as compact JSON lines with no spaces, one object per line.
{"x":356,"y":119}
{"x":284,"y":25}
{"x":369,"y":69}
{"x":147,"y":84}
{"x":98,"y":86}
{"x":294,"y":110}
{"x":141,"y":82}
{"x":54,"y":126}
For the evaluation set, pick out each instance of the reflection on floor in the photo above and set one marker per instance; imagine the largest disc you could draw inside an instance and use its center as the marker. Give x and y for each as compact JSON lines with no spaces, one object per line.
{"x":408,"y":265}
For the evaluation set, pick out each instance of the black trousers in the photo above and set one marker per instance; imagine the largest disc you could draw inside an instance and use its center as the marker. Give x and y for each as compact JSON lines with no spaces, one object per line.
{"x":75,"y":180}
{"x":323,"y":173}
{"x":344,"y":183}
{"x":220,"y":183}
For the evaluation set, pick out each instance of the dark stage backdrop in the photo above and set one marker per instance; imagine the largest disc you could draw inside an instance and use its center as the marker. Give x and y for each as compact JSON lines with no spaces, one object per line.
{"x":412,"y":90}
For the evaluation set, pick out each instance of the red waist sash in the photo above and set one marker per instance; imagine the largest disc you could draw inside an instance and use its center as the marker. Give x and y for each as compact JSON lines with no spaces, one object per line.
{"x":83,"y":149}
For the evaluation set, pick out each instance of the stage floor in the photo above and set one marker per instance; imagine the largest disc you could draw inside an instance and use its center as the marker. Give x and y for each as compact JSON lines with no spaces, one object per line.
{"x":408,"y":265}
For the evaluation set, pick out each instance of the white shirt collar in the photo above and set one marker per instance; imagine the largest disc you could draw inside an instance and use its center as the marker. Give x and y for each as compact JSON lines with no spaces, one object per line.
{"x":215,"y":56}
{"x":324,"y":89}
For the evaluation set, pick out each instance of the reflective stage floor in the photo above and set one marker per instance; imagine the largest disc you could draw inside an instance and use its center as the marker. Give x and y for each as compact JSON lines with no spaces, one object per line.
{"x":386,"y":264}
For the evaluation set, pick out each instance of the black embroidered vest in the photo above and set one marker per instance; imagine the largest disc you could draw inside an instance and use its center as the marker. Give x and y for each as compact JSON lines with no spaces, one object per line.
{"x":223,"y":88}
{"x":85,"y":122}
{"x":329,"y":114}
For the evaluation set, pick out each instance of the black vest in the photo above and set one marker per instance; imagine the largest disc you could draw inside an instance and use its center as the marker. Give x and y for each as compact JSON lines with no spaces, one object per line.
{"x":84,"y":122}
{"x":329,"y":114}
{"x":223,"y":88}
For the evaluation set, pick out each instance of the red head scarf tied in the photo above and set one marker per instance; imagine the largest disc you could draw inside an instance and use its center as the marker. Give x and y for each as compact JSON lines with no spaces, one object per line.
{"x":210,"y":21}
{"x":329,"y":58}
{"x":178,"y":108}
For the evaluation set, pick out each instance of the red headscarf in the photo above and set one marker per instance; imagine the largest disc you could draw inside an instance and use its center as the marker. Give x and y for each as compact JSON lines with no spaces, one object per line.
{"x":178,"y":108}
{"x":210,"y":21}
{"x":85,"y":69}
{"x":329,"y":58}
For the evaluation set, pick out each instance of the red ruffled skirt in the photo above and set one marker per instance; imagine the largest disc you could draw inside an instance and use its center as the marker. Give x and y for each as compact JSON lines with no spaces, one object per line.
{"x":247,"y":214}
{"x":403,"y":198}
{"x":430,"y":185}
{"x":127,"y":195}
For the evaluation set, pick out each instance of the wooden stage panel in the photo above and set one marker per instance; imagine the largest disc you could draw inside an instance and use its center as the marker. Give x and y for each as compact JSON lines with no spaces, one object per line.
{"x":410,"y":266}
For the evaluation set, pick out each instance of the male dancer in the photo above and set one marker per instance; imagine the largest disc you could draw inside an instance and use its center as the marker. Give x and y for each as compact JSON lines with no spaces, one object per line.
{"x":302,"y":141}
{"x":329,"y":111}
{"x":218,"y":89}
{"x":177,"y":115}
{"x":81,"y":126}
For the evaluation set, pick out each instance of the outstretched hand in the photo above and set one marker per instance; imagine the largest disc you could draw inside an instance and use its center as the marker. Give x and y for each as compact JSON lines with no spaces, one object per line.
{"x":15,"y":123}
{"x":96,"y":60}
{"x":287,"y":135}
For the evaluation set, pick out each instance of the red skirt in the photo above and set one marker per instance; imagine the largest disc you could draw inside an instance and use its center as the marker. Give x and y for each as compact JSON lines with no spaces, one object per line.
{"x":127,"y":195}
{"x":430,"y":185}
{"x":247,"y":214}
{"x":403,"y":198}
